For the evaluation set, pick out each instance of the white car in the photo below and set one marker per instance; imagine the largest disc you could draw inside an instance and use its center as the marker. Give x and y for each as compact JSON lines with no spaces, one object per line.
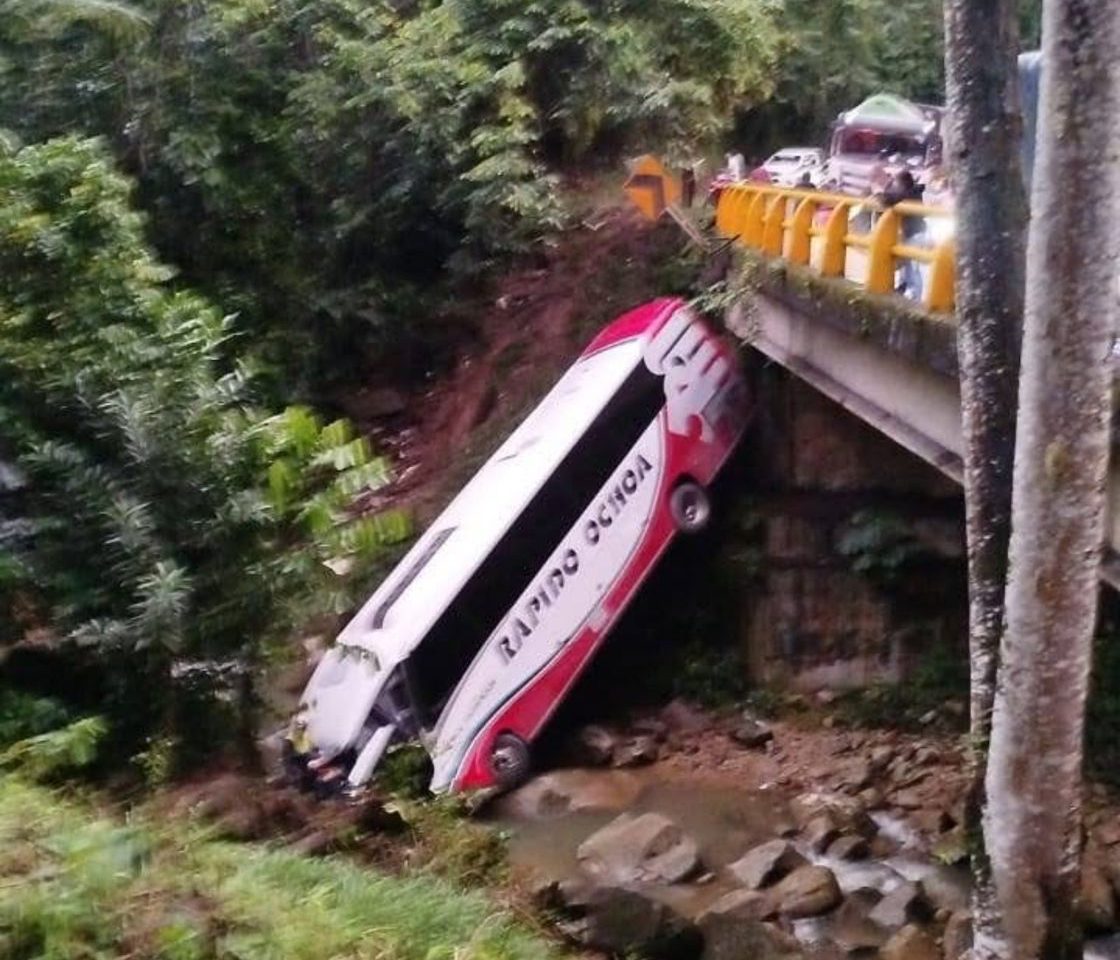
{"x":788,"y":166}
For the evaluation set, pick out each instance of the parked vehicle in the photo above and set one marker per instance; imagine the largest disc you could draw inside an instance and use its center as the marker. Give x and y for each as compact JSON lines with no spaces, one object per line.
{"x":880,"y":137}
{"x":788,"y":166}
{"x":472,"y":642}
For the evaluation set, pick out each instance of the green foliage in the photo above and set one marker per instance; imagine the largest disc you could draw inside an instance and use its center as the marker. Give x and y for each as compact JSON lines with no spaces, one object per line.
{"x":23,"y":715}
{"x":79,"y":886}
{"x":175,"y":521}
{"x":57,"y":752}
{"x":451,"y":845}
{"x":321,"y":169}
{"x":880,"y":545}
{"x":940,"y":676}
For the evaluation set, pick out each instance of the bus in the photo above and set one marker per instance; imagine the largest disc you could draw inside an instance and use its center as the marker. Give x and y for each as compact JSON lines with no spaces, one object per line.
{"x":473,"y":640}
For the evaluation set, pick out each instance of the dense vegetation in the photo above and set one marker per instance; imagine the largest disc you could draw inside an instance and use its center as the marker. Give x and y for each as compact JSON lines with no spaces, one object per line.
{"x":216,"y":215}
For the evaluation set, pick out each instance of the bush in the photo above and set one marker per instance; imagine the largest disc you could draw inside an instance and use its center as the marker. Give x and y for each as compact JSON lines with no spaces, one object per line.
{"x":178,"y":529}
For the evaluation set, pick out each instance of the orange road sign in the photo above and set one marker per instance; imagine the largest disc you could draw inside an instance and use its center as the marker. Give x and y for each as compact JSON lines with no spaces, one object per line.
{"x":651,"y":188}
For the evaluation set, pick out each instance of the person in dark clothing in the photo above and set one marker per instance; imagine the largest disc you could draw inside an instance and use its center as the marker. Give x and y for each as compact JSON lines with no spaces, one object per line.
{"x":902,"y":188}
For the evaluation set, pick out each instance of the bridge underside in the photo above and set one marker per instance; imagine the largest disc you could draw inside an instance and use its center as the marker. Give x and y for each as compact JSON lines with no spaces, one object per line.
{"x":911,"y":395}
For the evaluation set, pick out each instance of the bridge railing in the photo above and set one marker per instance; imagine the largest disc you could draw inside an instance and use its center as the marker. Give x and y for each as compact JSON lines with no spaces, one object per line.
{"x":842,"y":236}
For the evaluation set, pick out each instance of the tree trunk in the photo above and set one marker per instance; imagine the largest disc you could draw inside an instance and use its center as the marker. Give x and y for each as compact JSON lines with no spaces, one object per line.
{"x":1032,"y":823}
{"x":984,"y":134}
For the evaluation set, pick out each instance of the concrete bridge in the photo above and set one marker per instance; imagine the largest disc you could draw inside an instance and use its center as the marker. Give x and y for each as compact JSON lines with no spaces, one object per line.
{"x":822,"y":306}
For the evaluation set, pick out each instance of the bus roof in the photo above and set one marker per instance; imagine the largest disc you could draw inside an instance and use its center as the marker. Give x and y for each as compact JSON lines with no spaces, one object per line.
{"x":406,"y":605}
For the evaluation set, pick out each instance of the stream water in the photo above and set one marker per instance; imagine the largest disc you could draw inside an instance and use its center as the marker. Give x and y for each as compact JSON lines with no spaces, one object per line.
{"x":725,"y":823}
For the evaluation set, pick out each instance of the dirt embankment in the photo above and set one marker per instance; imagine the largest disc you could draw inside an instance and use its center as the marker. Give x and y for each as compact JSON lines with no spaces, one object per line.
{"x":517,"y":339}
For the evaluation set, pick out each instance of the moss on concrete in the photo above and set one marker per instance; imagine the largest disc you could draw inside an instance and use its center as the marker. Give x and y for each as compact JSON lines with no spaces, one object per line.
{"x":895,"y":323}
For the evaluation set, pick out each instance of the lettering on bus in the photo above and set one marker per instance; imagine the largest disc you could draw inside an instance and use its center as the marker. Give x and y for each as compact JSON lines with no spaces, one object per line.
{"x":525,"y":623}
{"x":686,"y":354}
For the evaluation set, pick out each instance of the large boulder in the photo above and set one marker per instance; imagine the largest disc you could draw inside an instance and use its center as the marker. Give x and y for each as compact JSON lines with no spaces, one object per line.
{"x":648,"y":848}
{"x":1097,"y":904}
{"x":947,"y":888}
{"x":852,"y":930}
{"x":904,"y":904}
{"x":911,"y":943}
{"x":752,"y":733}
{"x":848,"y":813}
{"x":636,"y":751}
{"x":627,"y":922}
{"x":807,"y":892}
{"x":731,"y":932}
{"x":821,"y":831}
{"x":594,"y":746}
{"x":956,"y":942}
{"x":851,"y":846}
{"x":766,"y":864}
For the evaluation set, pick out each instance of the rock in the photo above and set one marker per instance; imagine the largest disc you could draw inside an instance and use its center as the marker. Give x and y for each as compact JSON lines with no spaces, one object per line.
{"x":848,"y":812}
{"x":852,"y":930}
{"x":731,"y":934}
{"x":955,"y":708}
{"x":807,"y":892}
{"x":594,"y":746}
{"x":881,"y":758}
{"x":927,"y":719}
{"x":648,"y":848}
{"x":906,"y":799}
{"x":821,"y":831}
{"x":871,"y":798}
{"x":1108,"y":832}
{"x":637,"y":751}
{"x":752,"y":733}
{"x":905,"y":903}
{"x":947,"y":887}
{"x":766,"y":864}
{"x":744,"y":905}
{"x":1097,"y":904}
{"x":651,"y":727}
{"x":859,"y":776}
{"x":627,"y":922}
{"x":681,"y":717}
{"x":956,"y":942}
{"x":570,"y":791}
{"x":925,"y":756}
{"x":825,"y":697}
{"x":850,"y":847}
{"x":911,"y":943}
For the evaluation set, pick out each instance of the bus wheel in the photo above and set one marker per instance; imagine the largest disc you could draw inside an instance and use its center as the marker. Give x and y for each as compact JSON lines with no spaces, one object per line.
{"x":690,"y":507}
{"x":509,"y":761}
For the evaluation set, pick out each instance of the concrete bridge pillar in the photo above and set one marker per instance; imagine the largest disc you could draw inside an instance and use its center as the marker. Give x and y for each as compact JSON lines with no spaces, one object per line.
{"x":860,"y":542}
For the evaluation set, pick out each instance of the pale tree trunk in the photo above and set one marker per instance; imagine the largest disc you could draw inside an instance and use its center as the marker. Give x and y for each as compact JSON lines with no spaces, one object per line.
{"x":984,"y":134}
{"x":1032,"y":823}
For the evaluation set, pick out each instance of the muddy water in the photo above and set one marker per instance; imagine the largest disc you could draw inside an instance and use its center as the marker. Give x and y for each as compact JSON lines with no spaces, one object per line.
{"x":726,"y":823}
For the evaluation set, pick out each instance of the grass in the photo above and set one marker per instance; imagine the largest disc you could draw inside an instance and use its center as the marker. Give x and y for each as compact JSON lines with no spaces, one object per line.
{"x":76,"y":884}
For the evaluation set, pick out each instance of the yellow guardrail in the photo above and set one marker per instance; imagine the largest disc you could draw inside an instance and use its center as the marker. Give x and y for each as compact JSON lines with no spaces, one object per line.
{"x":815,"y":229}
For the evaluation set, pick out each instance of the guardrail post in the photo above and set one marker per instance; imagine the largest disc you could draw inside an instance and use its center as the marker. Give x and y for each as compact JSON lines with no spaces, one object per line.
{"x":772,"y":229}
{"x":835,"y":251}
{"x":941,"y":296}
{"x":756,"y":217}
{"x":880,"y":266}
{"x":800,"y":240}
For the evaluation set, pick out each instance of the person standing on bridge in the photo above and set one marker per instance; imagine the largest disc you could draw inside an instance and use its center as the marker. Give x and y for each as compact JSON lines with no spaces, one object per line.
{"x":902,"y":188}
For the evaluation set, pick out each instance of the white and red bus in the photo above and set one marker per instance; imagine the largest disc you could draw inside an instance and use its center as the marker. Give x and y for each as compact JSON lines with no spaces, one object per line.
{"x":472,"y":642}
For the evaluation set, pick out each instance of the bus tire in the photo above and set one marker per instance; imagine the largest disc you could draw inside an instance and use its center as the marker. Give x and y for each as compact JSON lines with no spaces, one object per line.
{"x":690,"y":507}
{"x":509,"y":761}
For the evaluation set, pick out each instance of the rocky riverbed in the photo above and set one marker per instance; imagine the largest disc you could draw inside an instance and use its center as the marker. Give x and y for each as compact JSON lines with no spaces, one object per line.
{"x":686,"y":836}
